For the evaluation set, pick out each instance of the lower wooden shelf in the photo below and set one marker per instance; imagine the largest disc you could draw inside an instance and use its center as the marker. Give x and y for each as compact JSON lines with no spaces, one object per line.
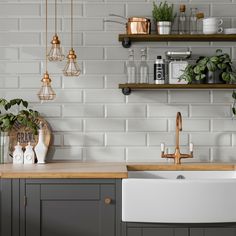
{"x":127,"y":88}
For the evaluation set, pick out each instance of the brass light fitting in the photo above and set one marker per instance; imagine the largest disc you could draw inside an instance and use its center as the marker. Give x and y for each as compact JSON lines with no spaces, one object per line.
{"x":46,"y":92}
{"x":177,"y":156}
{"x":55,"y":53}
{"x":71,"y":67}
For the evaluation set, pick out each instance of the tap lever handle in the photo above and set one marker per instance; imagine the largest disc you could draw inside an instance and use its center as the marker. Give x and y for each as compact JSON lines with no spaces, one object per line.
{"x":162,"y":147}
{"x":191,"y":147}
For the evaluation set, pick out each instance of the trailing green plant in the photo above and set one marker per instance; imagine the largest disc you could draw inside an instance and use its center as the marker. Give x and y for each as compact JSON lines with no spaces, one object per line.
{"x":163,"y":12}
{"x":220,"y":61}
{"x":25,"y":116}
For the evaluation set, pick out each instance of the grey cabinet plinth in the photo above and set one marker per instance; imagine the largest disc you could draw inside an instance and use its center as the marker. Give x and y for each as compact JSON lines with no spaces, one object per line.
{"x":70,"y":209}
{"x":214,"y":231}
{"x":157,"y":232}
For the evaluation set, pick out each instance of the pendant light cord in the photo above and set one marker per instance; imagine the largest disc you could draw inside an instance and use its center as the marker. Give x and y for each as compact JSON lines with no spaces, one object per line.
{"x":46,"y":34}
{"x":71,"y":23}
{"x":55,"y":17}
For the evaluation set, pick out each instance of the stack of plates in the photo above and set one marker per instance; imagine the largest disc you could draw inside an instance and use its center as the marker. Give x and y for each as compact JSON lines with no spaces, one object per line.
{"x":230,"y":31}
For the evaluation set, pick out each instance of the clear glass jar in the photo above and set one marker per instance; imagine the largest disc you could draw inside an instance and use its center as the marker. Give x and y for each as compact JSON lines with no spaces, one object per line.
{"x":193,"y":21}
{"x":143,"y":67}
{"x":131,"y":68}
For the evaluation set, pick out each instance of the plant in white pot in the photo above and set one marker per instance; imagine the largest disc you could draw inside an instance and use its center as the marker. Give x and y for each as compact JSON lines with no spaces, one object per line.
{"x":10,"y":117}
{"x":163,"y":14}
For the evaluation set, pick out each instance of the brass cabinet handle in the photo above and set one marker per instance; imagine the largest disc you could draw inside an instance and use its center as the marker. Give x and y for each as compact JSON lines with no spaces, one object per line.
{"x":107,"y":200}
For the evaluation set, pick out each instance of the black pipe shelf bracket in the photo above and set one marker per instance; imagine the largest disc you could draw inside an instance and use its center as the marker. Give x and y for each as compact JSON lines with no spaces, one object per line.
{"x":126,"y":43}
{"x":126,"y":91}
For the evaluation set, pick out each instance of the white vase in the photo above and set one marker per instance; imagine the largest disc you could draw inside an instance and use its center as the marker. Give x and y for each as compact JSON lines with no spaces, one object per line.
{"x":41,"y":148}
{"x":29,"y":156}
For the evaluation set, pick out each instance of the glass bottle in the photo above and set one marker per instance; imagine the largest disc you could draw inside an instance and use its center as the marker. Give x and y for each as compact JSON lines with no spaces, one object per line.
{"x":182,"y":19}
{"x":143,"y":67}
{"x":131,"y":68}
{"x":200,"y":16}
{"x":193,"y":21}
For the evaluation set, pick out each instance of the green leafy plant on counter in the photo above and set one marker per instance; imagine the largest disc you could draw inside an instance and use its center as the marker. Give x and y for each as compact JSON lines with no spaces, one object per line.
{"x":220,"y":61}
{"x":25,"y":116}
{"x":163,"y":12}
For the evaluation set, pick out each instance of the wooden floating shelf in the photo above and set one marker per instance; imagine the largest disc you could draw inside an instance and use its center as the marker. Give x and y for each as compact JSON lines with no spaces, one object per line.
{"x":127,"y":39}
{"x":127,"y":88}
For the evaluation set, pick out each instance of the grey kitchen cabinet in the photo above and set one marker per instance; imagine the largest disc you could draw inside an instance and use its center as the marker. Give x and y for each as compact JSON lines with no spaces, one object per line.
{"x":59,"y":207}
{"x":72,"y":208}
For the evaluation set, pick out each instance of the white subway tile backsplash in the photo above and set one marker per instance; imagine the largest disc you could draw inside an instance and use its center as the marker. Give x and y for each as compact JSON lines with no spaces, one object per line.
{"x":91,"y":119}
{"x":47,"y":111}
{"x":147,"y":125}
{"x":19,"y":9}
{"x":167,"y":110}
{"x":147,"y":97}
{"x":155,"y":139}
{"x":83,"y":111}
{"x":190,"y":96}
{"x":8,"y":82}
{"x":103,"y":96}
{"x":210,"y":111}
{"x":103,"y":9}
{"x":83,"y":139}
{"x":223,"y":154}
{"x":19,"y":38}
{"x":144,"y":154}
{"x":102,"y":125}
{"x":191,"y":125}
{"x":84,"y":82}
{"x":226,"y":125}
{"x":107,"y":154}
{"x":126,"y":139}
{"x":126,"y":110}
{"x":65,"y":124}
{"x":212,"y":139}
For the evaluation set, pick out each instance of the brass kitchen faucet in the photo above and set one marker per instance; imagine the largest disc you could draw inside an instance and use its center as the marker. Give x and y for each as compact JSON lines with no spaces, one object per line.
{"x":177,"y":155}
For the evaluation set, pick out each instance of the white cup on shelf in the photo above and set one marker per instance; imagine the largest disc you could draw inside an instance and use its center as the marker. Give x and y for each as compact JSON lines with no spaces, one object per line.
{"x":212,"y":25}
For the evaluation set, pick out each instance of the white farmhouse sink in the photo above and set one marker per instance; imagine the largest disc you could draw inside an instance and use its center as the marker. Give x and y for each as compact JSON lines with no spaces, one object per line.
{"x":198,"y":197}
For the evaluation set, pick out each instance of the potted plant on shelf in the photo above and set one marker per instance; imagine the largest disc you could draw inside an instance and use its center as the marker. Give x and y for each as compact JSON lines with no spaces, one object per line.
{"x":9,"y":118}
{"x":164,"y":16}
{"x":216,"y":69}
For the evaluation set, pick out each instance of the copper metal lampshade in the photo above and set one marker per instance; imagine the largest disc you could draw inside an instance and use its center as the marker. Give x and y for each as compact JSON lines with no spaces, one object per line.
{"x":55,"y":53}
{"x":46,"y":92}
{"x":72,"y":67}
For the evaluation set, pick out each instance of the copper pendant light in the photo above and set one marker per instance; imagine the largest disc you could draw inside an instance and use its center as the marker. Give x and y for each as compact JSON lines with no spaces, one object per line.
{"x":55,"y":53}
{"x":72,"y":67}
{"x":46,"y":92}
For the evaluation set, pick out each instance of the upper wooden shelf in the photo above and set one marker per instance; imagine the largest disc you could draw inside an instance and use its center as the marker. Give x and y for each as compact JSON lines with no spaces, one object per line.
{"x":127,"y":88}
{"x":126,"y":39}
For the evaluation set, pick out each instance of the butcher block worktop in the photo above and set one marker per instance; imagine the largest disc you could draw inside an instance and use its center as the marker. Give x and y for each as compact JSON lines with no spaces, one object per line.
{"x":100,"y":170}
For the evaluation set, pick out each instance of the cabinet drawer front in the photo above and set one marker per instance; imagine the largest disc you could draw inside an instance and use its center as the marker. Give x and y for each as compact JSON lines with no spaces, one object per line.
{"x":70,"y":192}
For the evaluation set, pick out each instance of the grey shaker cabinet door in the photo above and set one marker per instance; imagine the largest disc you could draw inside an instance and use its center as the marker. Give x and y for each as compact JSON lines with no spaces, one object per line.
{"x":70,"y":209}
{"x":213,"y":231}
{"x":157,"y":232}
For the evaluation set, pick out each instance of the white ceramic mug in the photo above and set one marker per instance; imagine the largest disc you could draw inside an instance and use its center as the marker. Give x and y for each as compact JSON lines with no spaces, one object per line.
{"x":211,"y":25}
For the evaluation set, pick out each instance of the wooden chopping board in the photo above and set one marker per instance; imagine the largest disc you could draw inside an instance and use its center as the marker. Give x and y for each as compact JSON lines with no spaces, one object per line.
{"x":23,"y":134}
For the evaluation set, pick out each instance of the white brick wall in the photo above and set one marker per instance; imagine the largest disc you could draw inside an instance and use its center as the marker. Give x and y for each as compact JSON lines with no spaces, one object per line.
{"x":90,"y":118}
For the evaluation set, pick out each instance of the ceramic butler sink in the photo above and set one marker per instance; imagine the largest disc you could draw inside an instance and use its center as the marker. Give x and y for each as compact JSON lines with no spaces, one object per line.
{"x":193,"y":197}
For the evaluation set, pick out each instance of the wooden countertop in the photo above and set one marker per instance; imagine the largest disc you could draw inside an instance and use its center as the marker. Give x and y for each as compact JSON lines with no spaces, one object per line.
{"x":101,"y":170}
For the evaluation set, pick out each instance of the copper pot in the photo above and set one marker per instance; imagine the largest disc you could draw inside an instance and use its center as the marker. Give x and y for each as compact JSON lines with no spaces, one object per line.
{"x":138,"y":25}
{"x":134,"y":25}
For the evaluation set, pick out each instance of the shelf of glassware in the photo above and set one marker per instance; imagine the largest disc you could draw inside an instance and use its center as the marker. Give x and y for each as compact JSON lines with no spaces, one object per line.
{"x":127,"y":39}
{"x":129,"y":87}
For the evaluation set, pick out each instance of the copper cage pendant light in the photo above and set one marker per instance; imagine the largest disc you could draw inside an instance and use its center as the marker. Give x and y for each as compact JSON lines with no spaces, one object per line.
{"x":46,"y":92}
{"x":55,"y":53}
{"x":72,"y":67}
